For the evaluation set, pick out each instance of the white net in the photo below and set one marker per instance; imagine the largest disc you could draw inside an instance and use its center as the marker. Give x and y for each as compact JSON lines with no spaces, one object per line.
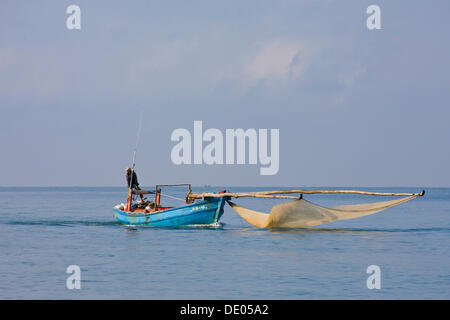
{"x":302,"y":213}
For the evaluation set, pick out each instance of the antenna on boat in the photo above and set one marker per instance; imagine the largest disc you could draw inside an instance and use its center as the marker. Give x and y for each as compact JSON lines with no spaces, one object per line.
{"x":137,"y":143}
{"x":130,"y":191}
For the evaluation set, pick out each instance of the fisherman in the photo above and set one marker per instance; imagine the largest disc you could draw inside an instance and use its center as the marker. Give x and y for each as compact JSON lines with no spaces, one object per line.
{"x":134,"y":182}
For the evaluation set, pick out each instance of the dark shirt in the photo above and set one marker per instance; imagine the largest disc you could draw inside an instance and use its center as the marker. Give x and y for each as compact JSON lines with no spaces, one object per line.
{"x":134,"y":181}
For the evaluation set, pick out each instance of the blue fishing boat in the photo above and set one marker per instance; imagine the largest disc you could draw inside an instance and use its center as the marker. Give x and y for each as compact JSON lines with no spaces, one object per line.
{"x":208,"y":210}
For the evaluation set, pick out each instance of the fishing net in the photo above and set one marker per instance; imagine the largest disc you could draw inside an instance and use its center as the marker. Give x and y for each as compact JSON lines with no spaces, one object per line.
{"x":302,"y":213}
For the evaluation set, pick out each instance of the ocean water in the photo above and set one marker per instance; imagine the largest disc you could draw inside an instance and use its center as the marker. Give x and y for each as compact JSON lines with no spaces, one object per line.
{"x":44,"y":230}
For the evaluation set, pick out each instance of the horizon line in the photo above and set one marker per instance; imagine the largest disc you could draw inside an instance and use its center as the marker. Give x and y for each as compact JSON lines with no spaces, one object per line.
{"x":207,"y":185}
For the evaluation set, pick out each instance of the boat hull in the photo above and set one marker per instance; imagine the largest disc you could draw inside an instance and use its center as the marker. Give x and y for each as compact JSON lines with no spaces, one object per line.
{"x":207,"y":211}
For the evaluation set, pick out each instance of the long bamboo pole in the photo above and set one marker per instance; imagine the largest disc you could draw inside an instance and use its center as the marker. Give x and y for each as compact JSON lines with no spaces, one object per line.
{"x":276,"y":193}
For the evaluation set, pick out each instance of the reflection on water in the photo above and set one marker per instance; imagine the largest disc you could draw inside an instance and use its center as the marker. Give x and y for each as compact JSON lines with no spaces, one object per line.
{"x":312,"y":230}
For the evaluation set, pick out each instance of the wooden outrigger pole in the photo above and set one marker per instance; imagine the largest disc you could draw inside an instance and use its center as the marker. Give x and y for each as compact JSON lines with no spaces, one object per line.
{"x":280,"y":194}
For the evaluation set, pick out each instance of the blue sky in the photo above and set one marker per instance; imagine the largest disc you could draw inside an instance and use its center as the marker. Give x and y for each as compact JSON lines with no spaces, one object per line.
{"x":354,"y":107}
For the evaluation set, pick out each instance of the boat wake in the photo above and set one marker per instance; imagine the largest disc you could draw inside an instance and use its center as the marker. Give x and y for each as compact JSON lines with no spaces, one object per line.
{"x":62,"y":223}
{"x":216,"y":225}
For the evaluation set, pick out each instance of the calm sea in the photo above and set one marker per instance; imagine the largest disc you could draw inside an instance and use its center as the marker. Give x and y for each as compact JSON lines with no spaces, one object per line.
{"x":44,"y":230}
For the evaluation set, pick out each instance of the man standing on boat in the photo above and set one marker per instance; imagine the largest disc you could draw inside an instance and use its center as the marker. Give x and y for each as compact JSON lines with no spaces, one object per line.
{"x":132,"y":182}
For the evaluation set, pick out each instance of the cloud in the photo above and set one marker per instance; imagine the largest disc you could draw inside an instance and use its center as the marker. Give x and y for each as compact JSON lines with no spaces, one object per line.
{"x":277,"y":61}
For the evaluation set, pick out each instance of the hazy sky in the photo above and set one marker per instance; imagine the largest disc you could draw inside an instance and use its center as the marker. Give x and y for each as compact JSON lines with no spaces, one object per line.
{"x":355,"y":107}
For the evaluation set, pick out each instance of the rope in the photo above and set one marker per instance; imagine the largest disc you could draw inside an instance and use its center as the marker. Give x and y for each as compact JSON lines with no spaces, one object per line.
{"x":166,"y":195}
